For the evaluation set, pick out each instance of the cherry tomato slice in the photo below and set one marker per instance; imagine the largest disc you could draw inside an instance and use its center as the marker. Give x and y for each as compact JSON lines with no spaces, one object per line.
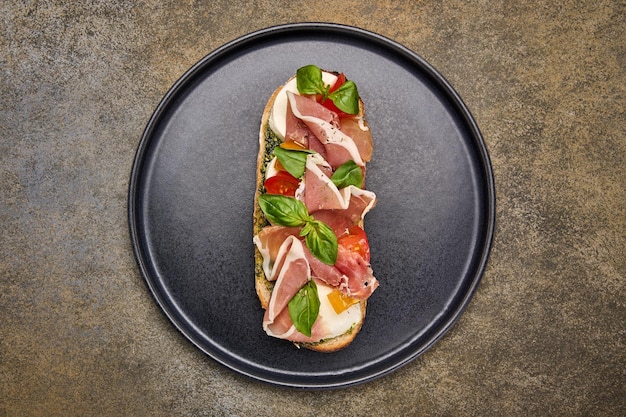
{"x":341,"y":78}
{"x":328,"y":103}
{"x":356,"y":241}
{"x":282,"y":183}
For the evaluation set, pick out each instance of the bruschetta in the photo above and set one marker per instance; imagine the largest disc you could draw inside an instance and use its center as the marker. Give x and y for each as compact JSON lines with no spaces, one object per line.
{"x":312,"y":258}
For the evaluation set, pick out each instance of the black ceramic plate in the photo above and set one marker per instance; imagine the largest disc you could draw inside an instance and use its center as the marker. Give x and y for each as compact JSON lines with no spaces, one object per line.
{"x":191,"y":197}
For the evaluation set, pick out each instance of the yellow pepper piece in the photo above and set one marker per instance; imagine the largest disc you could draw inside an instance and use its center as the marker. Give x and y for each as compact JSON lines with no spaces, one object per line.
{"x":292,"y":145}
{"x":340,"y":301}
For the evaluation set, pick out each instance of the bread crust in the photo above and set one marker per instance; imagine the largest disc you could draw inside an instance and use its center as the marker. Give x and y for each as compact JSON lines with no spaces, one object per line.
{"x":262,"y":285}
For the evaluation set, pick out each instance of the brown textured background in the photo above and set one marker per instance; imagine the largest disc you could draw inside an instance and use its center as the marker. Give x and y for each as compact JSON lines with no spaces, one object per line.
{"x":545,"y":332}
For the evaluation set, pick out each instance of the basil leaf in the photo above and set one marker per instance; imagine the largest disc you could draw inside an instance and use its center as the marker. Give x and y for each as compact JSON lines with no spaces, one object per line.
{"x":346,"y":97}
{"x":304,"y":308}
{"x":321,"y":241}
{"x":347,"y":174}
{"x":308,"y":228}
{"x":294,"y":161}
{"x":309,"y":80}
{"x":283,"y":210}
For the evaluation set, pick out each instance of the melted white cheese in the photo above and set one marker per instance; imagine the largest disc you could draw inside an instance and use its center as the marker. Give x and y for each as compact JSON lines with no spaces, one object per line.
{"x":336,"y":324}
{"x":265,"y":253}
{"x":271,"y":170}
{"x":299,"y":194}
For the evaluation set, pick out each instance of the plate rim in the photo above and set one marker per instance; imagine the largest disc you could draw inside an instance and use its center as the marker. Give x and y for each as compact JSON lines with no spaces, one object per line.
{"x":281,"y":378}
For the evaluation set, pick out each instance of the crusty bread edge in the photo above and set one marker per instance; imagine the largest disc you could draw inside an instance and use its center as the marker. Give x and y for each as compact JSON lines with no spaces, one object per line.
{"x":262,"y":285}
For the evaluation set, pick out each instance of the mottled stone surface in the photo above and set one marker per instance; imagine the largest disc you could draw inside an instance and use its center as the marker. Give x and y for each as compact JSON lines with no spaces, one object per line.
{"x":545,"y":332}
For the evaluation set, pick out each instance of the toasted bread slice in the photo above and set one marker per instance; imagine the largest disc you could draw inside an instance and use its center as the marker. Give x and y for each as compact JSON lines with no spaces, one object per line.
{"x":267,"y":141}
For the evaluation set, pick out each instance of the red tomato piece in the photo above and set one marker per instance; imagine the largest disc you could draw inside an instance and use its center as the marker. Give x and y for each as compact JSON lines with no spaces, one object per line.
{"x":282,"y":183}
{"x":328,"y":103}
{"x":356,"y":241}
{"x":341,"y":78}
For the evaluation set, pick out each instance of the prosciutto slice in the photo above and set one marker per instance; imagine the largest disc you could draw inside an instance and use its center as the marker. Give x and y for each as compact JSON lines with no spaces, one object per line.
{"x":361,"y":282}
{"x":298,"y":131}
{"x":360,"y":134}
{"x":326,"y":273}
{"x":351,"y":274}
{"x":361,"y":202}
{"x":310,"y":107}
{"x":269,"y":241}
{"x":282,"y":327}
{"x":340,"y":148}
{"x":321,"y":193}
{"x":291,"y":271}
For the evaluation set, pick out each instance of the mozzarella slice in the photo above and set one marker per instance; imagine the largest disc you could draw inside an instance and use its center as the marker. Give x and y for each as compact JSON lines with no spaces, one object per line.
{"x":271,"y":170}
{"x":336,"y":324}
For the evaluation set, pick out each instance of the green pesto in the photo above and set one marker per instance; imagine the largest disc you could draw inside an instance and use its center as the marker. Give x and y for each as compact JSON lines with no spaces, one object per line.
{"x":271,"y":141}
{"x":321,"y":341}
{"x":260,"y":221}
